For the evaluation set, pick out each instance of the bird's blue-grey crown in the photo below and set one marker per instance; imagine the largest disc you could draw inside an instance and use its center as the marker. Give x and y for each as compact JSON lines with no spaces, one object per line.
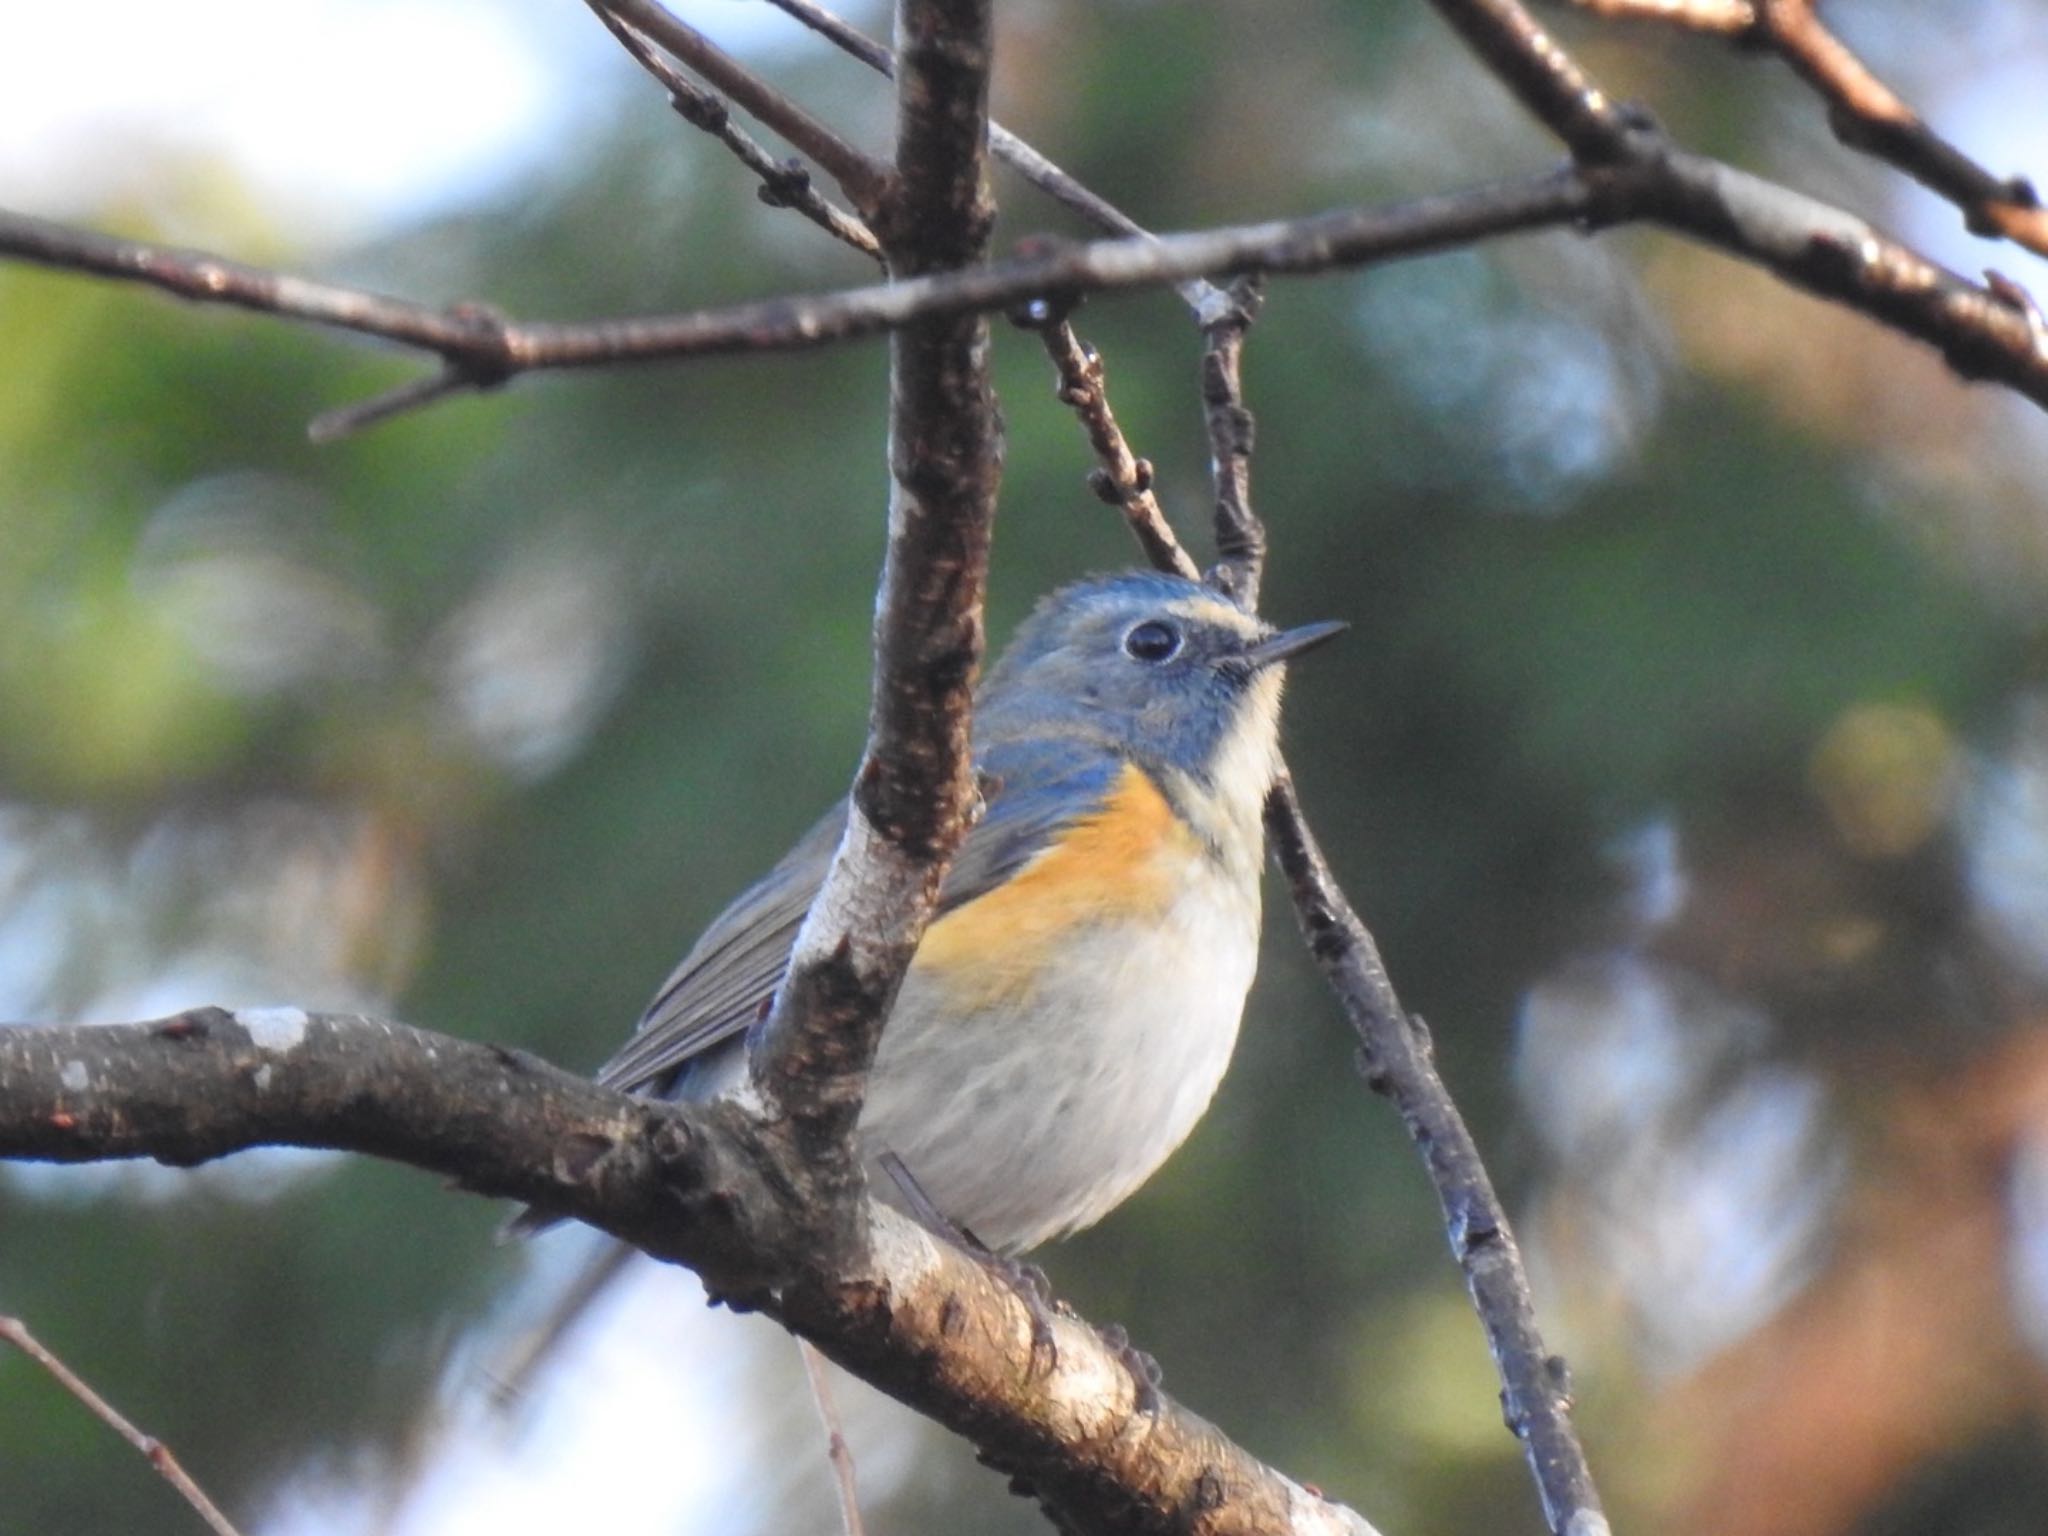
{"x":1162,"y":667}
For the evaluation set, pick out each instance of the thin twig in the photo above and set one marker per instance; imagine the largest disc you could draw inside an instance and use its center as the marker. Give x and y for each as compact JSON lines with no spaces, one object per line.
{"x":465,"y":332}
{"x":1396,"y":1058}
{"x":1036,"y":168}
{"x":347,"y":420}
{"x":1727,"y":17}
{"x":1499,"y":1288}
{"x":1393,"y":1048}
{"x":863,"y":179}
{"x":1864,"y":112}
{"x":1240,"y":536}
{"x":1120,"y":478}
{"x":837,"y":1451}
{"x":486,"y":347}
{"x":1542,"y":76}
{"x":784,"y":183}
{"x":153,"y":1450}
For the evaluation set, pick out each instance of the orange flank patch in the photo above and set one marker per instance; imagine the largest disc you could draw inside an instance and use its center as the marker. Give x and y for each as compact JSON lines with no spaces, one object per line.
{"x":1123,"y":862}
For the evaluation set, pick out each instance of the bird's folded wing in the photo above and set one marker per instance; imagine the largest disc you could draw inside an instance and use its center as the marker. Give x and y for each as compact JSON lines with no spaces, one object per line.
{"x":728,"y":980}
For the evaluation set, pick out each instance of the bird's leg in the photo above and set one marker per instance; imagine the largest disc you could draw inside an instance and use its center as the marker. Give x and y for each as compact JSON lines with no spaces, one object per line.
{"x":1028,"y":1281}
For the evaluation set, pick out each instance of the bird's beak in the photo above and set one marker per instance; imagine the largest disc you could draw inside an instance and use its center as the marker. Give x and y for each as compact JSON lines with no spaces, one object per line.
{"x":1292,"y":642}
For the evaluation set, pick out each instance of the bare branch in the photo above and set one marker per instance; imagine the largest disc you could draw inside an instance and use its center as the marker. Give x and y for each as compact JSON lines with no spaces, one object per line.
{"x":863,"y":179}
{"x":154,"y":1451}
{"x":1866,"y":115}
{"x":415,"y":394}
{"x":479,"y":341}
{"x":784,"y":183}
{"x":1988,"y":331}
{"x":1007,"y":147}
{"x":1120,"y":478}
{"x":1864,"y":112}
{"x":1240,"y":536}
{"x":914,"y":797}
{"x":1393,"y":1048}
{"x":837,"y":1451}
{"x":1730,"y":18}
{"x":914,"y":1316}
{"x":468,"y":334}
{"x":1543,"y":77}
{"x":1396,"y":1058}
{"x":1981,"y":330}
{"x":842,"y":34}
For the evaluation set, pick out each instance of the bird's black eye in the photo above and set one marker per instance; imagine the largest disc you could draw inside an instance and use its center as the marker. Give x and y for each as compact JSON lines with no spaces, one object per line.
{"x":1153,"y":640}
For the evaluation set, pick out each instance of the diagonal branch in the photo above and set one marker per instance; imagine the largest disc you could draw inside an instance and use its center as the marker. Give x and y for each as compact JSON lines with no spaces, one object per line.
{"x":1397,"y":1058}
{"x":699,"y":1185}
{"x":154,"y":1451}
{"x":1013,"y":151}
{"x":1394,"y":1050}
{"x":1725,"y":18}
{"x":784,"y":184}
{"x":1121,"y":478}
{"x":1542,"y":76}
{"x":863,"y":179}
{"x":1864,"y":112}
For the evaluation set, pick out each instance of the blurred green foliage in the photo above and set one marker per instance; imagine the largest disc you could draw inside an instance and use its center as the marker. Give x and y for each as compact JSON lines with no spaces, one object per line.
{"x":1598,"y":576}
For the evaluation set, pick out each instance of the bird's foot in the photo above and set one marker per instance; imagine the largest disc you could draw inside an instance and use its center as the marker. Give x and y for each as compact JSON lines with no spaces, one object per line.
{"x":1144,"y":1370}
{"x":1030,"y":1286}
{"x":1026,"y":1281}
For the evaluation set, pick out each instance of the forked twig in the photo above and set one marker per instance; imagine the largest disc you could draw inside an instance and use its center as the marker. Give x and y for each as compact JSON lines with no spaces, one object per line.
{"x":1864,"y":112}
{"x":864,"y":179}
{"x":1120,"y":477}
{"x":1036,"y":168}
{"x":784,"y":183}
{"x":153,"y":1450}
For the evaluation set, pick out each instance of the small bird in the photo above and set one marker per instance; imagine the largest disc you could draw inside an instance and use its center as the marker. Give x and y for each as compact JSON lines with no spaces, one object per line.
{"x":1074,"y":1002}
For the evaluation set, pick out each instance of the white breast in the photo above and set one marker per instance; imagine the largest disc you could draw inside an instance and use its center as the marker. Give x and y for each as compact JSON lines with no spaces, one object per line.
{"x":1025,"y":1122}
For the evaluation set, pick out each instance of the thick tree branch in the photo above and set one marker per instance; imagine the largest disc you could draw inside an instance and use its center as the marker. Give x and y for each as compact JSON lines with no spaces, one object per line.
{"x":914,"y":796}
{"x":913,"y":1315}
